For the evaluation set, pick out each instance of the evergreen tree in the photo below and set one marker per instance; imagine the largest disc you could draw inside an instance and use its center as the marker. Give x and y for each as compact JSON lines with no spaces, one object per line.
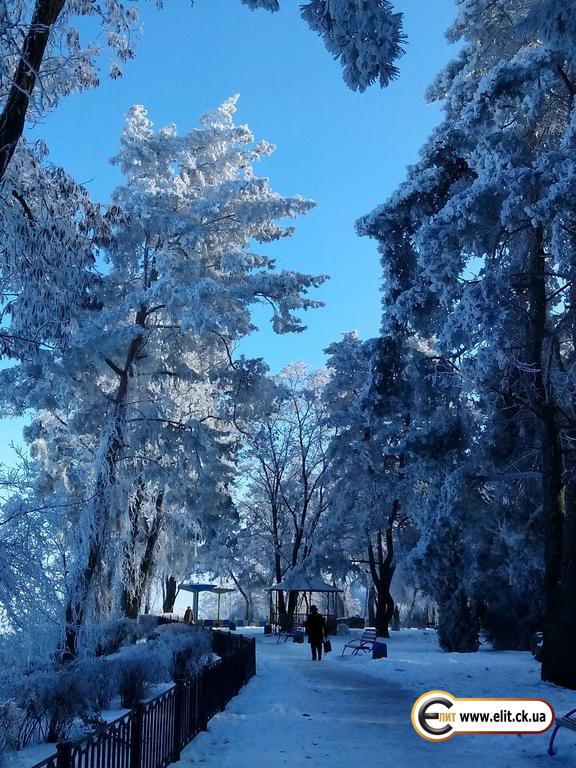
{"x":491,"y":259}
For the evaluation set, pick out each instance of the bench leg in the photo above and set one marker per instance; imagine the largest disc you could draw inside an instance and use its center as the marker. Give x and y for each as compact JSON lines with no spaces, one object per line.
{"x":551,"y":750}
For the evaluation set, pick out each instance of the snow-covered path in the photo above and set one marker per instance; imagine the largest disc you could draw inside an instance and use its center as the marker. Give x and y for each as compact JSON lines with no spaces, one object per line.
{"x":300,"y":713}
{"x":339,"y":713}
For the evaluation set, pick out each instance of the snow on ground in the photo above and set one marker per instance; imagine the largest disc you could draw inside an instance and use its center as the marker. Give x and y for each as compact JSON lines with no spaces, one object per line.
{"x":351,"y":711}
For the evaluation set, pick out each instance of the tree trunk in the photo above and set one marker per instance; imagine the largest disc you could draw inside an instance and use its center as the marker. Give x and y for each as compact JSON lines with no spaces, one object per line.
{"x":384,"y":610}
{"x":292,"y":602}
{"x":13,"y":117}
{"x":100,"y":512}
{"x":76,"y":605}
{"x":559,"y":653}
{"x":371,"y":604}
{"x":382,"y":569}
{"x":170,"y":592}
{"x":245,"y":595}
{"x":133,"y":594}
{"x":129,"y":569}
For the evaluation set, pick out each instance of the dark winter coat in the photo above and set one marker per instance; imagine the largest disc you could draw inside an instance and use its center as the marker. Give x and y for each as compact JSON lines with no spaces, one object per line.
{"x":315,"y":628}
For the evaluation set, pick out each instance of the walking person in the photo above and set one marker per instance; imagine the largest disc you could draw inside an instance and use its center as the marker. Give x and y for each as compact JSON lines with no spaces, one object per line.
{"x":316,"y":631}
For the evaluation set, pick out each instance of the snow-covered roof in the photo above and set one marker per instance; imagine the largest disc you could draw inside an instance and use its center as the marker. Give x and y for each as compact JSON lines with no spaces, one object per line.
{"x":303,"y":584}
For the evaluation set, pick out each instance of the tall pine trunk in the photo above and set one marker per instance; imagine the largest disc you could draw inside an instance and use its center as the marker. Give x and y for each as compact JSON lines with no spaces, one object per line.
{"x":559,"y":653}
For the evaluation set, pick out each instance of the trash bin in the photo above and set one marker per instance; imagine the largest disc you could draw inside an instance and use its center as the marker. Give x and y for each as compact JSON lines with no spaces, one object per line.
{"x":379,"y":649}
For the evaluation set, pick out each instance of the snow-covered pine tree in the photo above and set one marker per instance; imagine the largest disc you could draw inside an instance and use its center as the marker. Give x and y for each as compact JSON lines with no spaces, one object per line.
{"x":367,"y":501}
{"x":493,"y":247}
{"x":397,"y":432}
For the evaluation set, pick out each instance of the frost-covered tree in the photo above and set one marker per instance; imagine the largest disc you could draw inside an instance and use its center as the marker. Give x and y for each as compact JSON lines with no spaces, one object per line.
{"x":282,"y":489}
{"x":130,"y":412}
{"x":395,"y":428}
{"x":48,"y":228}
{"x":43,"y":58}
{"x":484,"y":227}
{"x":366,"y":470}
{"x":31,"y":567}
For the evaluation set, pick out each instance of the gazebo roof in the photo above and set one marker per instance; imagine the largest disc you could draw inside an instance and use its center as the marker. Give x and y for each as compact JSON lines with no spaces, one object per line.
{"x":198,"y":587}
{"x":303,"y":584}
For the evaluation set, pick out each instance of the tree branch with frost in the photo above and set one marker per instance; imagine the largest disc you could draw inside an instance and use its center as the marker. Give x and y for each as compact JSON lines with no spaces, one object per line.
{"x":365,"y":35}
{"x":13,"y":116}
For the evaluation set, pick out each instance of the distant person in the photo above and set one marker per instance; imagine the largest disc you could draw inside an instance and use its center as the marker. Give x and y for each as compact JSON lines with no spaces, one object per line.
{"x":316,"y":631}
{"x":188,"y":615}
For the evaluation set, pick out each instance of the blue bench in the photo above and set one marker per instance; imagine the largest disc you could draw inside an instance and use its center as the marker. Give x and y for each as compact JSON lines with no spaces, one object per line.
{"x":297,"y":635}
{"x":362,"y":644}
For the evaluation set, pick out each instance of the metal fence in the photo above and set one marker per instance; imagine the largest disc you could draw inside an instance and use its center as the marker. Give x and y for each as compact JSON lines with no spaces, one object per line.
{"x":153,"y":734}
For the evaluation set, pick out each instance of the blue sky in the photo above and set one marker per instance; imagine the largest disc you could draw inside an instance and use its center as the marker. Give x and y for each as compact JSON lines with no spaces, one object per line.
{"x":347,"y":151}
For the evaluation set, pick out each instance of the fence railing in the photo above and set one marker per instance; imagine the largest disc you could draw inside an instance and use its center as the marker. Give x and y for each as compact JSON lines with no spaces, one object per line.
{"x":153,"y":734}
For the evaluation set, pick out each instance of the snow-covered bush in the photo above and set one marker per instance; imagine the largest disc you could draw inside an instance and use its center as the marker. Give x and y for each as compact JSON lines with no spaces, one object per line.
{"x":187,"y":651}
{"x":99,"y":677}
{"x":50,"y":701}
{"x":11,"y":722}
{"x":51,"y":697}
{"x":343,"y":629}
{"x":176,"y":652}
{"x":19,"y":649}
{"x":174,"y":630}
{"x":110,"y":636}
{"x":137,"y":668}
{"x":147,"y":623}
{"x":44,"y":702}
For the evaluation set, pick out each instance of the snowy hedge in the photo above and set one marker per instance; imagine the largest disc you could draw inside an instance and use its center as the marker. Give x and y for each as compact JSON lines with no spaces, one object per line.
{"x":45,"y":701}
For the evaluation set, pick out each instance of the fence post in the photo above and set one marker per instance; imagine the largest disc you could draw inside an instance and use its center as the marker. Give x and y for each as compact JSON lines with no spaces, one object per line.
{"x":136,"y":737}
{"x":203,"y":700}
{"x":64,"y":754}
{"x":178,"y":699}
{"x":223,"y":677}
{"x":252,"y":669}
